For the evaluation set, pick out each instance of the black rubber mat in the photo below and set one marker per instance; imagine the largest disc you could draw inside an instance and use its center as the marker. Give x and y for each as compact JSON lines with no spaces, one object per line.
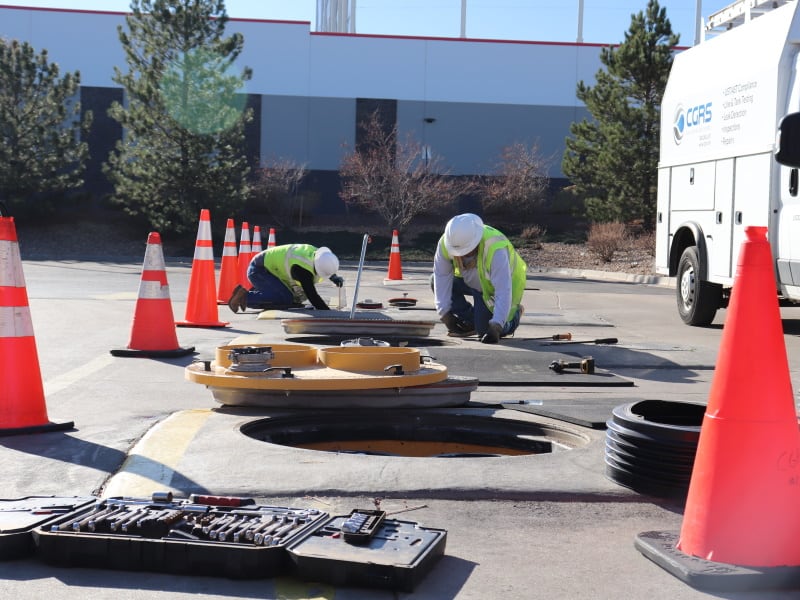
{"x":497,"y":367}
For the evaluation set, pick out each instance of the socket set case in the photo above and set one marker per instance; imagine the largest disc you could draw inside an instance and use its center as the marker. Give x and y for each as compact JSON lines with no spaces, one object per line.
{"x":19,"y":516}
{"x":176,"y":537}
{"x":395,"y":555}
{"x":220,"y":536}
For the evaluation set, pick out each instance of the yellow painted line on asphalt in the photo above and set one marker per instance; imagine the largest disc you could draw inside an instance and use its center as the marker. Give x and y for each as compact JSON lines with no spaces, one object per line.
{"x":290,"y":589}
{"x":56,"y":384}
{"x":153,"y":461}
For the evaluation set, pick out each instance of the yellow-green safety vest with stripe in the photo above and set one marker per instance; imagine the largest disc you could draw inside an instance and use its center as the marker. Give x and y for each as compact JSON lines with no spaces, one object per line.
{"x":280,"y":260}
{"x":491,"y":241}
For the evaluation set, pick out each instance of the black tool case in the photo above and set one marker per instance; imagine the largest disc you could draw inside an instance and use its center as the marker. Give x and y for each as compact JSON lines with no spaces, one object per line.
{"x":177,"y":537}
{"x":387,"y":554}
{"x":220,"y":536}
{"x":20,"y":515}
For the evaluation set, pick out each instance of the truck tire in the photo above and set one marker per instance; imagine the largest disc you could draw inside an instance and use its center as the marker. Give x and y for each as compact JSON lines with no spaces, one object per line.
{"x":698,"y":300}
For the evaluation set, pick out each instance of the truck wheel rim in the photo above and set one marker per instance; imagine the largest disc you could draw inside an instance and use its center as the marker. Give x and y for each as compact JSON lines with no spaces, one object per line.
{"x":687,"y":287}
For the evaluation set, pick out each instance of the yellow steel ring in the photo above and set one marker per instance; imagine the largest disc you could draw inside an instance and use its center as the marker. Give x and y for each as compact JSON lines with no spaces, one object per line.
{"x":369,"y":358}
{"x":320,"y":378}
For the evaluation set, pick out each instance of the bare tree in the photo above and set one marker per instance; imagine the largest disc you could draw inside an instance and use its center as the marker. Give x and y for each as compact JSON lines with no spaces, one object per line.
{"x":395,"y":178}
{"x":276,"y":185}
{"x":520,"y":181}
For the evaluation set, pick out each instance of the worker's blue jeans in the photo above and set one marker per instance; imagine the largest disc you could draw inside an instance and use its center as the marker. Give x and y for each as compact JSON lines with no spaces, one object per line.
{"x":267,"y":289}
{"x":477,"y":312}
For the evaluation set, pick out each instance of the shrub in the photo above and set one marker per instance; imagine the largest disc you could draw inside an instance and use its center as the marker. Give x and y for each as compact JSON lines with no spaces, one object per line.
{"x":605,"y":239}
{"x":534,"y":235}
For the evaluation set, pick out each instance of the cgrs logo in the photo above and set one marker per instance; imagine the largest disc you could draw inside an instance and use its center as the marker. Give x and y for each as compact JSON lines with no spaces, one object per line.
{"x":685,"y":119}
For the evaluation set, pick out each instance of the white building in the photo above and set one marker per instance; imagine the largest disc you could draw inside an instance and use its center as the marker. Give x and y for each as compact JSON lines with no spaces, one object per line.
{"x":465,"y":99}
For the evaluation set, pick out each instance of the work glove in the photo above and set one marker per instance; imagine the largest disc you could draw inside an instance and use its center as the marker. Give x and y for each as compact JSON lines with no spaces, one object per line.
{"x":337,"y":280}
{"x":492,"y":335}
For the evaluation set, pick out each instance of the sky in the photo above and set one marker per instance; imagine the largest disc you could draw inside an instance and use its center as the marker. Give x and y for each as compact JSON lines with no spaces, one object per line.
{"x":604,"y":21}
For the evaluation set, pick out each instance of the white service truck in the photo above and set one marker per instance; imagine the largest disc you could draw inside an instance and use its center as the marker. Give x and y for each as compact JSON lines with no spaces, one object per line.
{"x":717,"y":173}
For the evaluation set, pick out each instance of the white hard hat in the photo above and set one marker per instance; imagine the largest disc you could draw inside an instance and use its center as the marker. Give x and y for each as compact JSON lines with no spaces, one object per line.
{"x":462,"y":234}
{"x":325,"y":262}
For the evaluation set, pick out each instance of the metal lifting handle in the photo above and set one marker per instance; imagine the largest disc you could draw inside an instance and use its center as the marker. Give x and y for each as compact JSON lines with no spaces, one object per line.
{"x":358,"y":275}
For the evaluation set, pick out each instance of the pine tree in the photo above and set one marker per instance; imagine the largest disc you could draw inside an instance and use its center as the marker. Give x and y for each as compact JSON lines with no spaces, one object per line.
{"x":41,"y":154}
{"x":184,"y":120}
{"x":612,"y":160}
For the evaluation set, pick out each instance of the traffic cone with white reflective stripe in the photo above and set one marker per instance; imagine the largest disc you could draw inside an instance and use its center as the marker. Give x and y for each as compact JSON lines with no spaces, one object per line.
{"x":22,"y":406}
{"x":271,"y":239}
{"x":201,"y":302}
{"x":228,"y":268}
{"x":153,"y":330}
{"x":256,"y":246}
{"x":245,"y":254}
{"x":395,"y":265}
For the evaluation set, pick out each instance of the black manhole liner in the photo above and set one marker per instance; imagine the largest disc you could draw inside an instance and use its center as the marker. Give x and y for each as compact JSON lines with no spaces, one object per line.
{"x":411,"y":433}
{"x":651,"y":446}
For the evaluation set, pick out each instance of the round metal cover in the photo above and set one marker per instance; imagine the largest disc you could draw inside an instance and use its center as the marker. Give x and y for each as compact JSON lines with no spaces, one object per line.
{"x":402,"y":302}
{"x":369,"y":304}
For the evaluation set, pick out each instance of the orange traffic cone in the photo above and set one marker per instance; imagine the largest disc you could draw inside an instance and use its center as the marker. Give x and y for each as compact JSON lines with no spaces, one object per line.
{"x":22,"y":406}
{"x":742,"y":506}
{"x":201,"y":303}
{"x":395,"y":265}
{"x":245,"y":254}
{"x":153,"y":330}
{"x":256,"y":246}
{"x":271,"y":239}
{"x":228,"y":268}
{"x":741,"y":520}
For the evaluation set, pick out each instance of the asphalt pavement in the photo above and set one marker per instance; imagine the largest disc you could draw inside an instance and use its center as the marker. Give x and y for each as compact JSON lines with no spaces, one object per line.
{"x":549,"y":525}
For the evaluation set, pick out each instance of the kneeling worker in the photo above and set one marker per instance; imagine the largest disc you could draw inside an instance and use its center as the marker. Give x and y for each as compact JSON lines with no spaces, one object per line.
{"x":477,"y":260}
{"x":285,"y":275}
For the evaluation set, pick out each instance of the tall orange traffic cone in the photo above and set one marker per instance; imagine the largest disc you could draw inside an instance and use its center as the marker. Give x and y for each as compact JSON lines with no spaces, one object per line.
{"x":742,"y":506}
{"x":256,"y":246}
{"x":741,"y":518}
{"x":153,"y":330}
{"x":22,"y":406}
{"x":395,"y":265}
{"x":271,"y":239}
{"x":245,"y":254}
{"x":201,"y":302}
{"x":228,"y":268}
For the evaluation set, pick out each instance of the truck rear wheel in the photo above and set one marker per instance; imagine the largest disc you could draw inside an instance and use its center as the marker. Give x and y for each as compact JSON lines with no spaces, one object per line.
{"x":698,"y":300}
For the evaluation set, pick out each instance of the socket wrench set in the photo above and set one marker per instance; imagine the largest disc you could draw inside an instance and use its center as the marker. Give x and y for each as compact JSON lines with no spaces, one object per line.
{"x":219,"y":536}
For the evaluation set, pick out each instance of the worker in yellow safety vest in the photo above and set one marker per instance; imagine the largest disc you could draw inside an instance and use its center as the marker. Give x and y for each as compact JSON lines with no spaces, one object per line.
{"x":285,"y":276}
{"x":476,"y":260}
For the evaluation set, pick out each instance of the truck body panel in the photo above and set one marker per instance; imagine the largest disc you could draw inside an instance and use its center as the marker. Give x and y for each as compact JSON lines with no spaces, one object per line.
{"x":721,"y":109}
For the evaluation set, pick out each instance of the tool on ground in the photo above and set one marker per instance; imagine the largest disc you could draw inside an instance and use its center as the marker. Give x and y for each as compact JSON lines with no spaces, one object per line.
{"x":597,"y":341}
{"x":586,"y":365}
{"x":358,"y":275}
{"x":555,"y":336}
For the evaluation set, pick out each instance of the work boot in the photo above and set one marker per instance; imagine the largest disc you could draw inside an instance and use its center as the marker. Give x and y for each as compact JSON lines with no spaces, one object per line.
{"x":238,"y":299}
{"x":462,"y":329}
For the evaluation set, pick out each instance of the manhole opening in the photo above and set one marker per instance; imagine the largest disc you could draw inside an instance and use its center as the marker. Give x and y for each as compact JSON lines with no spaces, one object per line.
{"x":413,"y":434}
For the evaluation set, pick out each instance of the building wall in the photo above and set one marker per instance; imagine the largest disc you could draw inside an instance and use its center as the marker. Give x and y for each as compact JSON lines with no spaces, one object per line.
{"x":482,"y":95}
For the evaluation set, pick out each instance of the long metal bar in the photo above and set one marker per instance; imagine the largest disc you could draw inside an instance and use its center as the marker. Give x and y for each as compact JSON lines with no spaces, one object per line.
{"x":358,"y":275}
